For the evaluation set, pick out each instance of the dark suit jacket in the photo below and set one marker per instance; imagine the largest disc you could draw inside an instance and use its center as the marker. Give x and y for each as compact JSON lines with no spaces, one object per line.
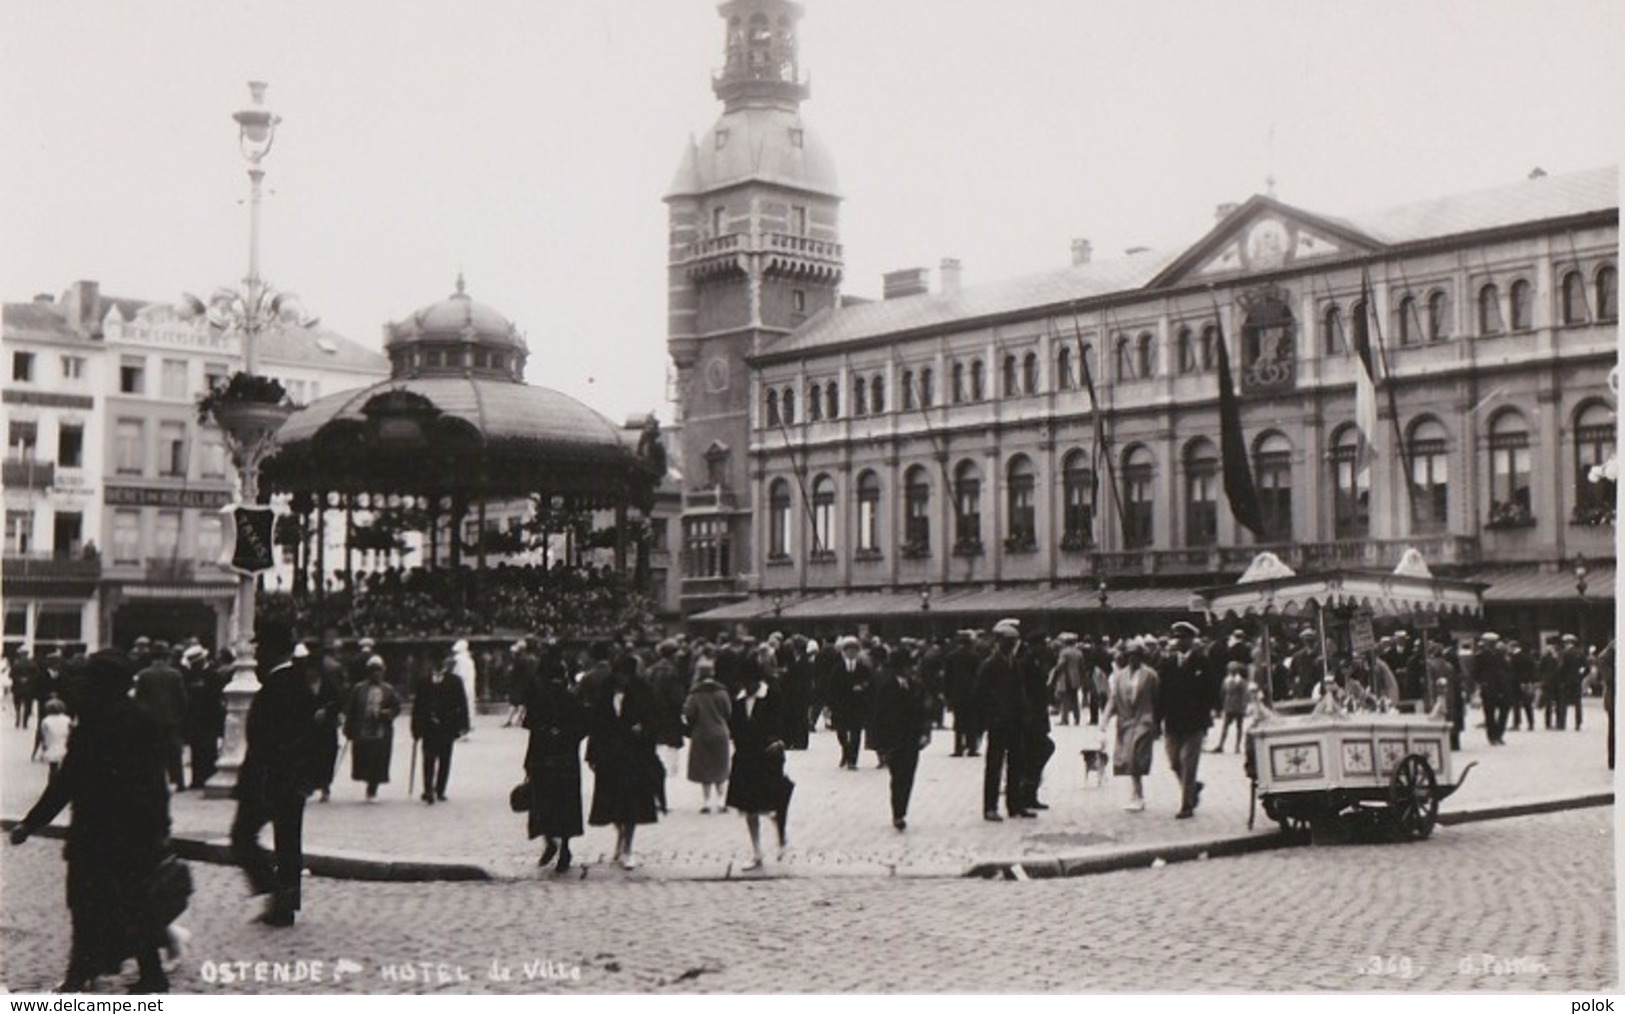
{"x":283,"y":736}
{"x":902,"y":714}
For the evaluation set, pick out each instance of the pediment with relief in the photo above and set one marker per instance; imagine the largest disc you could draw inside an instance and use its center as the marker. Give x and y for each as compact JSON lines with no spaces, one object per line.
{"x":1262,"y":236}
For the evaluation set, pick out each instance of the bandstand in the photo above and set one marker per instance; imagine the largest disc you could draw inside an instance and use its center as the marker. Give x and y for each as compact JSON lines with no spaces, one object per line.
{"x":454,"y":429}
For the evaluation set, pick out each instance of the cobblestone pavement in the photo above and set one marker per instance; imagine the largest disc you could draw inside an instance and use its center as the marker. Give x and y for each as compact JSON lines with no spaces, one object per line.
{"x":840,"y":820}
{"x":1523,"y":904}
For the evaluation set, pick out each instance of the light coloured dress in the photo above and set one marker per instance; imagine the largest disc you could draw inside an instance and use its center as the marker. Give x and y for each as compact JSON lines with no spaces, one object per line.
{"x":1134,"y":705}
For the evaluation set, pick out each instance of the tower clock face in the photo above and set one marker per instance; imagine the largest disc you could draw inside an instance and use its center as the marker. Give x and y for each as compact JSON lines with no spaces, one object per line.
{"x":716,"y":374}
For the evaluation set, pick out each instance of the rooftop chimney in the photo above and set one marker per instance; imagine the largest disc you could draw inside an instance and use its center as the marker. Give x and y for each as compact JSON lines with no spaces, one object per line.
{"x":1082,"y":250}
{"x":1536,"y":173}
{"x":951,"y":275}
{"x":45,"y":297}
{"x":907,"y":282}
{"x":1225,"y":210}
{"x":1131,"y":251}
{"x":81,"y":302}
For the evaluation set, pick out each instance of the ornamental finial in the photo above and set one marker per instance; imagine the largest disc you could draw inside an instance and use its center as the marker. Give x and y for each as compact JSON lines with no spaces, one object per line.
{"x":460,"y":285}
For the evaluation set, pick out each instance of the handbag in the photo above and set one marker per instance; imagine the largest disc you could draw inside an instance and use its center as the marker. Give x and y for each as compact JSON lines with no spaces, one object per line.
{"x":169,"y":888}
{"x":519,"y":797}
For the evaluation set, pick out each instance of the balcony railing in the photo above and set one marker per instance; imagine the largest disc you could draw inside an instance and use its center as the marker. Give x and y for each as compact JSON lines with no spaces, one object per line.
{"x":1447,"y":550}
{"x":165,"y":569}
{"x":26,"y":473}
{"x":52,"y":566}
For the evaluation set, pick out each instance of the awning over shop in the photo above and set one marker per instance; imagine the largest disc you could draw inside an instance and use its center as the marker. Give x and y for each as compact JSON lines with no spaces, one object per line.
{"x":998,"y":600}
{"x":1167,"y":600}
{"x":1525,"y":586}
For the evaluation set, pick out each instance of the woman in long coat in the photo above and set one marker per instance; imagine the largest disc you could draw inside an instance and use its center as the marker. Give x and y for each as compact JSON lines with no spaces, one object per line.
{"x":1133,"y":702}
{"x":557,"y":724}
{"x":757,"y":784}
{"x":114,"y":778}
{"x":621,"y":751}
{"x":706,"y":713}
{"x":369,"y":722}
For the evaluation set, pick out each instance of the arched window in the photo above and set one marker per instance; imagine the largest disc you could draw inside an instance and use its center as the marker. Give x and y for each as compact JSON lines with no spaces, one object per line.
{"x":772,"y":407}
{"x":1029,"y":373}
{"x":967,"y":508}
{"x":1208,"y":352}
{"x":1489,"y":310}
{"x":1607,"y":292}
{"x":1139,"y":498}
{"x":978,"y":381}
{"x":928,"y":389}
{"x":1022,"y":518}
{"x":877,"y":394}
{"x":1201,"y":493}
{"x":1078,"y":498}
{"x":1596,"y":439}
{"x":1064,"y":380}
{"x":1011,"y":385}
{"x":908,"y":390}
{"x":1187,"y":351}
{"x":1574,"y":298}
{"x":868,"y":512}
{"x":1125,"y":358}
{"x":815,"y":403}
{"x":1272,"y":472}
{"x":1510,"y":503}
{"x":1430,"y":476}
{"x":917,"y":512}
{"x":787,"y":406}
{"x":1145,"y":356}
{"x":832,"y":401}
{"x":959,"y":383}
{"x":1523,"y":305}
{"x":1088,"y":366}
{"x":1438,"y":316}
{"x":778,"y":520}
{"x":1351,"y":486}
{"x":1407,"y":320}
{"x":860,"y":396}
{"x":823,"y":505}
{"x":1333,"y":339}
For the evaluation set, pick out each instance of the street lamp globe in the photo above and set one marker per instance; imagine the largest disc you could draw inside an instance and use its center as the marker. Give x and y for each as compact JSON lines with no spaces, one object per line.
{"x":256,"y":125}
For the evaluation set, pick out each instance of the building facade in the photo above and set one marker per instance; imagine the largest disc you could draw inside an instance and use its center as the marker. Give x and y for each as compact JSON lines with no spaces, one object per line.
{"x":942,"y":450}
{"x":147,"y":496}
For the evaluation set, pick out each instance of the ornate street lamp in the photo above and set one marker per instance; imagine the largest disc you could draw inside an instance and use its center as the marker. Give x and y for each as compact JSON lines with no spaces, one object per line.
{"x":249,"y":409}
{"x":778,"y":605}
{"x":925,"y":598}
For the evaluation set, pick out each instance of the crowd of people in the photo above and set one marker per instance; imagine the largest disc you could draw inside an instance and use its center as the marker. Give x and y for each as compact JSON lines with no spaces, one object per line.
{"x":118,"y":729}
{"x":403,"y":602}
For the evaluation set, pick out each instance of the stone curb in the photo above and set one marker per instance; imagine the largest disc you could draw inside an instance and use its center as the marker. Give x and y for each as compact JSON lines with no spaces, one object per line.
{"x":366,"y":866}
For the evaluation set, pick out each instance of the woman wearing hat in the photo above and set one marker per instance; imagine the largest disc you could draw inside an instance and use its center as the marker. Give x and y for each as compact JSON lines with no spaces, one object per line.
{"x":705,"y":714}
{"x":114,"y":778}
{"x":757,"y":783}
{"x":557,"y":723}
{"x":621,"y":752}
{"x":1132,"y":700}
{"x":369,"y":722}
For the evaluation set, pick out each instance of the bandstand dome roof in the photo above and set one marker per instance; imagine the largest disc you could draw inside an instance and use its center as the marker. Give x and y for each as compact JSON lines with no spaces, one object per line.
{"x":455,"y":418}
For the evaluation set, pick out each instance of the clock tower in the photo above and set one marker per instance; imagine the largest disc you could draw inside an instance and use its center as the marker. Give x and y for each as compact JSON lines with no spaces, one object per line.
{"x":753,"y":251}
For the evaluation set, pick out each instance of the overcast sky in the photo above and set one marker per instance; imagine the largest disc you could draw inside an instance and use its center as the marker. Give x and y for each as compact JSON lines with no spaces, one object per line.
{"x":528,"y":143}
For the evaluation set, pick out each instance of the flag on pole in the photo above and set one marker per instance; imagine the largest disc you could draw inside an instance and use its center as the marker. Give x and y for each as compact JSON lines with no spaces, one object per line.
{"x":1238,"y":472}
{"x":1366,"y":378}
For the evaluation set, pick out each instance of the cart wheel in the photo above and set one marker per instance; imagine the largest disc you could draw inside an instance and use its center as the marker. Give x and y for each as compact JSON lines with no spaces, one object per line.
{"x":1413,"y":798}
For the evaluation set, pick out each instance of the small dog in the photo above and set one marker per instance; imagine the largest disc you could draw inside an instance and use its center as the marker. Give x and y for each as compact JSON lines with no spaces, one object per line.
{"x":1095,"y":762}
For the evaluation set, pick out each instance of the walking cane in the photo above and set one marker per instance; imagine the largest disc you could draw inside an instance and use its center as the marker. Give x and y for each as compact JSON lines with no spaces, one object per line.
{"x":412,"y":772}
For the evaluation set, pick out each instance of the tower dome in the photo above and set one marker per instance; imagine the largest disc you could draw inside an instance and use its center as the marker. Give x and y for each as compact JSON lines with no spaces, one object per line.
{"x":456,"y":337}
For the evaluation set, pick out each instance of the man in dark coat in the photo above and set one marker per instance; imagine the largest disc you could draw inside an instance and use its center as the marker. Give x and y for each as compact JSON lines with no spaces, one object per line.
{"x":798,"y":693}
{"x":667,"y":692}
{"x":1002,"y":698}
{"x":849,"y":695}
{"x":526,"y":671}
{"x":439,"y":717}
{"x":959,"y":685}
{"x":902,"y":730}
{"x":1033,"y":662}
{"x":1495,"y":686}
{"x":1572,"y":667}
{"x":330,"y":688}
{"x":114,"y":778}
{"x":1523,"y":686}
{"x":160,"y":689}
{"x":1187,"y":698}
{"x":205,"y":712}
{"x":284,"y":763}
{"x":369,"y":723}
{"x":25,"y":678}
{"x":1305,"y":669}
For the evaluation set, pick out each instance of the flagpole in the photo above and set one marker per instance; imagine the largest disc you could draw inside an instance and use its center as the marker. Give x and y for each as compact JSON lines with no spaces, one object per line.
{"x":1101,"y":450}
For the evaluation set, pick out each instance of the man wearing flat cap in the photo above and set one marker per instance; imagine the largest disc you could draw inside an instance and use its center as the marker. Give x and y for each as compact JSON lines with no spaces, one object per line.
{"x":1305,"y":668}
{"x":161,"y":690}
{"x":850,"y":692}
{"x":1572,"y":668}
{"x":1187,"y":698}
{"x":1002,"y":696}
{"x":959,"y":687}
{"x":205,"y":712}
{"x":1494,"y":674}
